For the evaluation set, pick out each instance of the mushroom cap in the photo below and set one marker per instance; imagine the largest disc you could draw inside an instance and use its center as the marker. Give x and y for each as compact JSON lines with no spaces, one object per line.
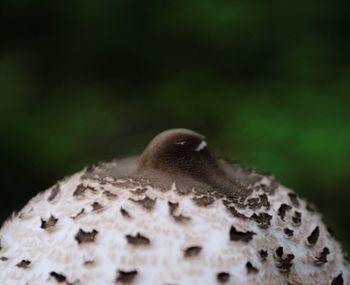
{"x":174,"y":215}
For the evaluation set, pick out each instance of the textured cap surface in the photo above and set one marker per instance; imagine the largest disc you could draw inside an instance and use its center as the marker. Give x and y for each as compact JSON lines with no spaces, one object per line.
{"x":174,"y":215}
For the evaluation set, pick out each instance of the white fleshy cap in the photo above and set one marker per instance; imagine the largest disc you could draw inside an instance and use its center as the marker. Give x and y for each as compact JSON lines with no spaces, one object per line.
{"x":174,"y":215}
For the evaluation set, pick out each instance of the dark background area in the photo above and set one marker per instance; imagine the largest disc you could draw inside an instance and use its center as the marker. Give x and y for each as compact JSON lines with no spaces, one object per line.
{"x":269,"y":85}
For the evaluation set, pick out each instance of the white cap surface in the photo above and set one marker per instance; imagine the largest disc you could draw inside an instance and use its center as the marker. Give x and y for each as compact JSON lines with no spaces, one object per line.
{"x":160,"y":219}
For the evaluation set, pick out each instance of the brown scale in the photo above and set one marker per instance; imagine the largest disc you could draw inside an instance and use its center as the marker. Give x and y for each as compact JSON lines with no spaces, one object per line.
{"x":264,"y":201}
{"x":23,"y":264}
{"x":263,"y":220}
{"x":294,"y":199}
{"x":89,"y":263}
{"x":338,"y":280}
{"x":233,"y":210}
{"x":253,"y":203}
{"x":263,"y":254}
{"x":172,"y":207}
{"x":96,"y":206}
{"x":146,"y":202}
{"x":284,"y":262}
{"x":258,"y":202}
{"x":82,"y":211}
{"x":203,"y":201}
{"x":139,"y":191}
{"x":223,"y":277}
{"x":50,"y":223}
{"x":60,"y":278}
{"x":192,"y":251}
{"x":138,"y":239}
{"x":237,"y":200}
{"x":86,"y":237}
{"x":313,"y":237}
{"x":279,"y":251}
{"x":296,"y":219}
{"x":54,"y":192}
{"x":178,"y":218}
{"x":288,"y":232}
{"x":125,"y":213}
{"x":322,"y":257}
{"x":250,"y":268}
{"x":126,"y":276}
{"x":110,"y":195}
{"x":236,"y":235}
{"x":283,"y":210}
{"x":80,"y":190}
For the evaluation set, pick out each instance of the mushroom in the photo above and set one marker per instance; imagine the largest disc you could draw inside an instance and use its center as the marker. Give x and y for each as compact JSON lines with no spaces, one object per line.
{"x":174,"y":215}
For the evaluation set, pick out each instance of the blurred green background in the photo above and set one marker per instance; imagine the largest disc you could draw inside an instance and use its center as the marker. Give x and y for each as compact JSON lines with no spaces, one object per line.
{"x":83,"y":81}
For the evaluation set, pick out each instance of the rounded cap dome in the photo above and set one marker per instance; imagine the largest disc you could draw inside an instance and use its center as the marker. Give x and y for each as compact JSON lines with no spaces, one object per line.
{"x":174,"y":215}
